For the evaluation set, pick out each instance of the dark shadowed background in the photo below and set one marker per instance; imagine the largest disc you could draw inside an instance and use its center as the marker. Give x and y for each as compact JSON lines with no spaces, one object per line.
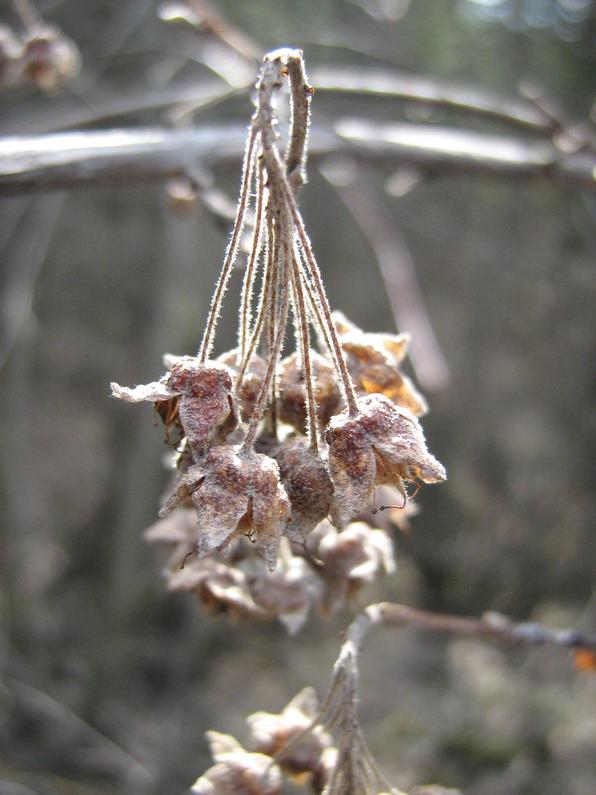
{"x":108,"y":682}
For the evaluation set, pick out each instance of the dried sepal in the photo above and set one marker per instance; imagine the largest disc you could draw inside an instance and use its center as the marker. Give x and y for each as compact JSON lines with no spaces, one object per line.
{"x":308,"y":485}
{"x":179,"y":527}
{"x":292,"y":393}
{"x":381,"y":444}
{"x":270,"y":734}
{"x":351,"y":559}
{"x":237,"y":771}
{"x":373,"y":362}
{"x":153,"y":392}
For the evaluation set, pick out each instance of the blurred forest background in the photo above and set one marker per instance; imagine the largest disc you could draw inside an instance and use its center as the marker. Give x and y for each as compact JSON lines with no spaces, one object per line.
{"x":107,"y":681}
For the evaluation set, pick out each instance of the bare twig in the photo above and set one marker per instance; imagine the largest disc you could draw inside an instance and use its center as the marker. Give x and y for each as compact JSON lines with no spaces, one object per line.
{"x":466,"y":100}
{"x":399,"y":275}
{"x":65,"y":160}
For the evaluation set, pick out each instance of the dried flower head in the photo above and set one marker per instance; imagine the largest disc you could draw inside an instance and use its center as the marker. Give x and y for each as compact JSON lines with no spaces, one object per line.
{"x":307,"y":483}
{"x":221,"y":588}
{"x":351,"y":559}
{"x":271,"y":733}
{"x":237,"y":772}
{"x":49,"y":57}
{"x":287,"y":593}
{"x":373,"y":362}
{"x":235,"y":491}
{"x":292,"y":393}
{"x":196,"y":396}
{"x":382,"y":444}
{"x":244,"y":475}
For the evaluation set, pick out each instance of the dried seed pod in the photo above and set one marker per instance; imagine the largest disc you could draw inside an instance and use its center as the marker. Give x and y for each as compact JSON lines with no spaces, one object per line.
{"x":205,"y":407}
{"x":251,"y":382}
{"x":235,"y":491}
{"x":237,"y":772}
{"x":352,"y":558}
{"x":288,"y":593}
{"x":308,"y":485}
{"x":271,"y":733}
{"x":292,"y":394}
{"x":50,"y":58}
{"x":382,"y":444}
{"x":373,"y":362}
{"x":221,"y":588}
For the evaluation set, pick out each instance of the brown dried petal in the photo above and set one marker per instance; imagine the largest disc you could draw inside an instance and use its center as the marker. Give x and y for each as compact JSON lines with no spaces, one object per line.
{"x":155,"y":391}
{"x":373,"y":362}
{"x":292,"y":393}
{"x":307,"y":483}
{"x":180,"y":527}
{"x":394,"y":346}
{"x":241,"y":493}
{"x":237,"y":772}
{"x":270,"y":733}
{"x":383,"y":443}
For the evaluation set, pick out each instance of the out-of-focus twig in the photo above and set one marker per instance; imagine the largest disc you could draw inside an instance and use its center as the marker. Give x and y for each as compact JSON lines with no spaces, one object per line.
{"x":65,"y":160}
{"x":370,"y":212}
{"x":462,"y":99}
{"x":16,"y":307}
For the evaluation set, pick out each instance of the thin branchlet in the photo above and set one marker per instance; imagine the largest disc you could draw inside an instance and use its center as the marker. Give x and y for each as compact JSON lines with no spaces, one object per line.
{"x":303,"y":336}
{"x":251,"y":267}
{"x":232,"y":248}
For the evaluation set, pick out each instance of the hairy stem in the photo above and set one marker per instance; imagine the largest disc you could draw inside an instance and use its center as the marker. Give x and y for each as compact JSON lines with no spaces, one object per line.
{"x":232,"y":249}
{"x":250,"y":272}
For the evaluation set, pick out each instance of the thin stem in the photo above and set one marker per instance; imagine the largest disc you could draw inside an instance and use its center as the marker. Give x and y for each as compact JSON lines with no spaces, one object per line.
{"x":28,"y":14}
{"x":262,"y":308}
{"x":249,"y":276}
{"x":273,"y":357}
{"x":314,"y":306}
{"x":232,"y":249}
{"x":314,"y":274}
{"x":303,"y":334}
{"x":301,"y":94}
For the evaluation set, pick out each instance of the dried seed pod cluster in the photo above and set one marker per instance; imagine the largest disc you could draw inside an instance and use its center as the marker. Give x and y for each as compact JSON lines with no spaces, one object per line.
{"x":270,"y":447}
{"x":43,"y":55}
{"x":280,"y":746}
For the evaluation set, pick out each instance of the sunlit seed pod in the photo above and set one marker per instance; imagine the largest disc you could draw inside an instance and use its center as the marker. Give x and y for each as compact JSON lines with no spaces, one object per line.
{"x":292,"y":392}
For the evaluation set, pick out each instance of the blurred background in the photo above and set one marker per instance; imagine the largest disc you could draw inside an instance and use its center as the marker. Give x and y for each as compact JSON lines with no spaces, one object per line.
{"x":439,"y":212}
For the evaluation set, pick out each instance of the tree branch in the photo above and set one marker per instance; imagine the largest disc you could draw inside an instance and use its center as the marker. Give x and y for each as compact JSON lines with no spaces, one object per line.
{"x":467,"y":100}
{"x":66,"y":160}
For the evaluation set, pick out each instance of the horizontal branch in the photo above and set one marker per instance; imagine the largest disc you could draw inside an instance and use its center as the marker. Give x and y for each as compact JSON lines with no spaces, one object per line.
{"x":493,"y":626}
{"x":431,"y":92}
{"x":69,"y":159}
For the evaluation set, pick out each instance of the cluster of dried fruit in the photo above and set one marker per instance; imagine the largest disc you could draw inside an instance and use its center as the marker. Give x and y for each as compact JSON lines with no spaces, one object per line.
{"x":42,"y":55}
{"x":278,"y":748}
{"x":271,"y":447}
